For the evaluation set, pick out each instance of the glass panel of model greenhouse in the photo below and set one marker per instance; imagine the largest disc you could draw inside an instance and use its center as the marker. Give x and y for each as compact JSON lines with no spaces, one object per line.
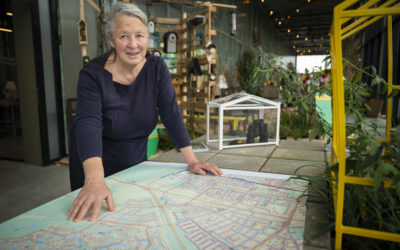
{"x":242,"y":120}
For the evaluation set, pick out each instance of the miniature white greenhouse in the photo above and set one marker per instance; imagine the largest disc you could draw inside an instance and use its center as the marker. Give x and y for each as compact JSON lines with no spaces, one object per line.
{"x":242,"y":120}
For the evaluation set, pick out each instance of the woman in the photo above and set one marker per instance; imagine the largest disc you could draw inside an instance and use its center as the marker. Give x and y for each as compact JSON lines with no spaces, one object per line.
{"x":120,"y":95}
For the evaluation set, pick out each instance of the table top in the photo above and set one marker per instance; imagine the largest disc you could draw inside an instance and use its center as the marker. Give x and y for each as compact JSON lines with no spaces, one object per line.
{"x":162,"y":205}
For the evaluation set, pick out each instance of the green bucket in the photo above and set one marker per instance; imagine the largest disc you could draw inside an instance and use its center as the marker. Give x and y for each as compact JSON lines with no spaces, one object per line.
{"x":152,"y":143}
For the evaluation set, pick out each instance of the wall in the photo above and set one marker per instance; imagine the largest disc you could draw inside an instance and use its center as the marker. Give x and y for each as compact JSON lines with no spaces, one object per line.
{"x":71,"y":51}
{"x":24,"y":53}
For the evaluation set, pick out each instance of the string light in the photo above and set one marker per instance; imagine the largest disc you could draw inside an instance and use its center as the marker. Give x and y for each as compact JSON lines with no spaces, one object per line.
{"x":9,"y":14}
{"x":309,"y":51}
{"x":306,"y":39}
{"x":262,"y":1}
{"x":279,"y":22}
{"x":301,"y":54}
{"x":271,"y":13}
{"x":5,"y":30}
{"x":297,"y":10}
{"x":288,"y":30}
{"x":298,"y":51}
{"x":297,"y":36}
{"x":294,"y":46}
{"x":288,"y":17}
{"x":309,"y":1}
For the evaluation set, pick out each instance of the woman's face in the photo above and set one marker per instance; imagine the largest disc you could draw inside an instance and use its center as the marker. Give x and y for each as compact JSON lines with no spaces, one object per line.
{"x":129,"y":39}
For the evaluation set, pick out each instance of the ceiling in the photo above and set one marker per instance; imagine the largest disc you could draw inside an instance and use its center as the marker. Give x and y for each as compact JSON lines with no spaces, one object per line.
{"x":305,"y":23}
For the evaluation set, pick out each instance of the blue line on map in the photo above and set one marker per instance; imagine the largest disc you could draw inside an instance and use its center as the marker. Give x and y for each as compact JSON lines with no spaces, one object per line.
{"x":173,"y":173}
{"x":263,"y":184}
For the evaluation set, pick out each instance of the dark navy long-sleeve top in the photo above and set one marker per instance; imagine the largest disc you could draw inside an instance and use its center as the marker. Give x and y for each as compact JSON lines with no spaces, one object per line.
{"x":113,"y":120}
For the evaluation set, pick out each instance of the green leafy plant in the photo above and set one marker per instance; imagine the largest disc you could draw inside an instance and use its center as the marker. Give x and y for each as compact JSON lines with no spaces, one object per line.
{"x":296,"y":94}
{"x":289,"y":121}
{"x":247,"y":75}
{"x":375,"y":207}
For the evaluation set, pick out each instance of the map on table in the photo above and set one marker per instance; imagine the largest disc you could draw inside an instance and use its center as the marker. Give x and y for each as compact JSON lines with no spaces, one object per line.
{"x":160,"y":206}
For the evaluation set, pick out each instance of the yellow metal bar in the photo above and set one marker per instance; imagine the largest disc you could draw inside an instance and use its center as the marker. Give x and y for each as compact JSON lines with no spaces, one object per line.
{"x":371,"y":233}
{"x":364,"y":25}
{"x":362,"y":19}
{"x":341,"y":128}
{"x":384,"y":140}
{"x":345,"y":4}
{"x":334,"y":191}
{"x":371,"y":12}
{"x":334,"y":95}
{"x":365,"y":181}
{"x":345,"y":31}
{"x":390,"y":77}
{"x":365,"y":6}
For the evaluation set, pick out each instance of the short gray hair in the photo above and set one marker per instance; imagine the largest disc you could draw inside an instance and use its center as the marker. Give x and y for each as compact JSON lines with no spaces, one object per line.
{"x":124,"y":9}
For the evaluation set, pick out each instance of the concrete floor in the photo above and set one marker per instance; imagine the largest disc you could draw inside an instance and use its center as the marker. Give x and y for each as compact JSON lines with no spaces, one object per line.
{"x":24,"y":186}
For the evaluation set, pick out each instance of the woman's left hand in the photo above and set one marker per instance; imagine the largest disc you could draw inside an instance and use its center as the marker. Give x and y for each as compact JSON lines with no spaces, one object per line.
{"x":203,"y":167}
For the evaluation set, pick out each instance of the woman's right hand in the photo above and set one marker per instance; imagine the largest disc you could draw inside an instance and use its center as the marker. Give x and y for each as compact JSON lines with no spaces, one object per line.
{"x":91,"y":196}
{"x":93,"y":192}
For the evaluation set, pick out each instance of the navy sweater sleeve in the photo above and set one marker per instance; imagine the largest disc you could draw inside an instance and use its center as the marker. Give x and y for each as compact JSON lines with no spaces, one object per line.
{"x":169,"y":110}
{"x":89,"y":115}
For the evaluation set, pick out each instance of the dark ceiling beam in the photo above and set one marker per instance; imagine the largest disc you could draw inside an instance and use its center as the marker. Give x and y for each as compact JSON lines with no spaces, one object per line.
{"x":303,"y":30}
{"x":323,"y":42}
{"x":310,"y":37}
{"x":309,"y":25}
{"x":310,"y":45}
{"x":300,"y":18}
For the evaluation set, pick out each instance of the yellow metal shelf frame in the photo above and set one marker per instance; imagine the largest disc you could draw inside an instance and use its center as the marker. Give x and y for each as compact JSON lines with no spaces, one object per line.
{"x":347,"y":21}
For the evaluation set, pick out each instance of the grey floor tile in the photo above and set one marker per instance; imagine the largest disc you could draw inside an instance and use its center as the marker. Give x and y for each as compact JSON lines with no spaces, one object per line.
{"x":299,"y":154}
{"x":308,"y":247}
{"x":316,"y":223}
{"x":284,"y":166}
{"x":261,"y":151}
{"x":304,"y":144}
{"x":175,"y":156}
{"x":170,"y":156}
{"x":249,"y":163}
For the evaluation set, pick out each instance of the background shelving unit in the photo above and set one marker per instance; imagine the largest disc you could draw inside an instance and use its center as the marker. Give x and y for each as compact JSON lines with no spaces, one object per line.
{"x":191,"y":80}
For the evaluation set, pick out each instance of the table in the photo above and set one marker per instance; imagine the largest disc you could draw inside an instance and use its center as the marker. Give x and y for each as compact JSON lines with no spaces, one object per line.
{"x":163,"y":206}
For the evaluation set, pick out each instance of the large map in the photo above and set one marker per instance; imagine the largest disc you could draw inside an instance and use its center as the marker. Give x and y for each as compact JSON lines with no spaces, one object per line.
{"x":159,"y":206}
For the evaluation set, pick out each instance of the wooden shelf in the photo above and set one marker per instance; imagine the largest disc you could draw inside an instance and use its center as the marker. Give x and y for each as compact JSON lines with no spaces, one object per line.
{"x":165,"y":20}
